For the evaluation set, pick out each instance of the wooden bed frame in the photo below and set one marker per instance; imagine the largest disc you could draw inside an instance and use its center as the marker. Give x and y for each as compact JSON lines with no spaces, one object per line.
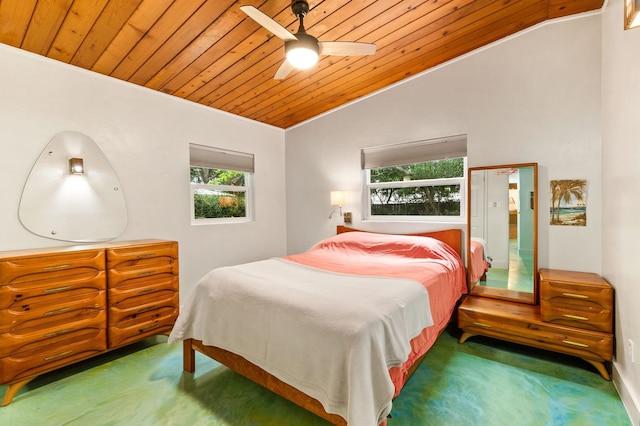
{"x":452,"y":237}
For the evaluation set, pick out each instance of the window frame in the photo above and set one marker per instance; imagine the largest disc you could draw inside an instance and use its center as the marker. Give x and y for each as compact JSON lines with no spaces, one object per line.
{"x":247,"y":188}
{"x":367,"y":186}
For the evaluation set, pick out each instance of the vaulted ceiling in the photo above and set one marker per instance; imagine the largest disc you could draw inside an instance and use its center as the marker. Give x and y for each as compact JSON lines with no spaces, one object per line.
{"x":210,"y":52}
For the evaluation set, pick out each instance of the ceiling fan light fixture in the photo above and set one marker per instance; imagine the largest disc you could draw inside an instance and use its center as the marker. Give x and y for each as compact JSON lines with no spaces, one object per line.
{"x":303,"y":52}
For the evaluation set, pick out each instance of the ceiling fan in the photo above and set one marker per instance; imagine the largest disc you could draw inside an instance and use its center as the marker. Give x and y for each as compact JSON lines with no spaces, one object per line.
{"x":301,"y":49}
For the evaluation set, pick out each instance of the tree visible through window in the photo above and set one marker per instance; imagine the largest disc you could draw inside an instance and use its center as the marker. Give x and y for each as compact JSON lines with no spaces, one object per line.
{"x":218,"y":193}
{"x":431,"y":188}
{"x":220,"y":185}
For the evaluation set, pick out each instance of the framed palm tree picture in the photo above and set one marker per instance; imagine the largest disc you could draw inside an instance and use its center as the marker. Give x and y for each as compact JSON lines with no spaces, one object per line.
{"x":568,"y":202}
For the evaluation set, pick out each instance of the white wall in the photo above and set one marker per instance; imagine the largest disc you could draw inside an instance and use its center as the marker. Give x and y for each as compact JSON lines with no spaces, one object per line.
{"x":532,"y":98}
{"x":145,"y":134}
{"x":621,"y":201}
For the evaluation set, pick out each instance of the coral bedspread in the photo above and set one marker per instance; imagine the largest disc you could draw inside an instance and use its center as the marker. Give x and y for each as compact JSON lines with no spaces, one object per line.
{"x":432,"y":263}
{"x":355,"y":260}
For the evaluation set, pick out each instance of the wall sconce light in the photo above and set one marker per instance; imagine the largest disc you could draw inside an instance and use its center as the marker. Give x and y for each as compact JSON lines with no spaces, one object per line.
{"x":76,"y":166}
{"x":338,"y":198}
{"x":631,"y":14}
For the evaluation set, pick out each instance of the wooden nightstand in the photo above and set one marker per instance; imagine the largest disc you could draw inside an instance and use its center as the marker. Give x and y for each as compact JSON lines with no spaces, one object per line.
{"x":576,"y":299}
{"x":575,"y":318}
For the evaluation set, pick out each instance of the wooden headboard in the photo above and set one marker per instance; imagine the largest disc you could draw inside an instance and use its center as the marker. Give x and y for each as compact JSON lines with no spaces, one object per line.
{"x":451,"y":237}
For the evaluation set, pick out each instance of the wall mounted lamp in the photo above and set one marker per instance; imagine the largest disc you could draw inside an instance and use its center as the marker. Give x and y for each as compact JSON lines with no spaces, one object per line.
{"x":76,"y":166}
{"x":338,"y":198}
{"x":631,"y":14}
{"x":63,"y":200}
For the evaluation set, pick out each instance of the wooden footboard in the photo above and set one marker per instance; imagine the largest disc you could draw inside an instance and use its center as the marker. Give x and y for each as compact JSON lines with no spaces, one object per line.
{"x":256,"y":374}
{"x":264,"y":379}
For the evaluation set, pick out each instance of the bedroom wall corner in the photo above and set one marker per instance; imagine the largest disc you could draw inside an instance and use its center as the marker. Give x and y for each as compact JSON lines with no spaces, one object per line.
{"x":621,"y":183}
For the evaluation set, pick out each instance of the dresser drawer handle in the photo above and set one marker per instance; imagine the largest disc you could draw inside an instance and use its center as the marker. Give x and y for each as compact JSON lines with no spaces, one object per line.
{"x":59,"y":332}
{"x":147,"y":309}
{"x":61,"y":354}
{"x":576,"y":317}
{"x":149,"y":327}
{"x":569,"y":342}
{"x":575,"y":296}
{"x":58,"y":289}
{"x":146,"y":256}
{"x":481,"y":324}
{"x":147,"y":291}
{"x":53,"y":267}
{"x":57,"y":311}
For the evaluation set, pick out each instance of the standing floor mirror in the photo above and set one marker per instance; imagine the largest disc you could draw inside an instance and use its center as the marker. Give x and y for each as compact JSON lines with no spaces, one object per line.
{"x":502,"y":229}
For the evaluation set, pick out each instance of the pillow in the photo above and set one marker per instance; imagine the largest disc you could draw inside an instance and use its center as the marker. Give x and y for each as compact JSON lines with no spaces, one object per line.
{"x":409,"y":246}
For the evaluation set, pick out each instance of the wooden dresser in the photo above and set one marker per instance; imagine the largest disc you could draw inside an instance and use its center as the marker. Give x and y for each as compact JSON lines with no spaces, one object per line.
{"x":574,"y":317}
{"x":66,"y":304}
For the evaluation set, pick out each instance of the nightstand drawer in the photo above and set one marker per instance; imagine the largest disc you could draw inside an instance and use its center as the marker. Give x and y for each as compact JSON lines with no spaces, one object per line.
{"x":577,"y":294}
{"x":592,"y":317}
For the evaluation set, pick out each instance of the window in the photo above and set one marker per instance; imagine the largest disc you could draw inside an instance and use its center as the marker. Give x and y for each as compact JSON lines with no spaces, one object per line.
{"x":422,"y":180}
{"x":220,"y":185}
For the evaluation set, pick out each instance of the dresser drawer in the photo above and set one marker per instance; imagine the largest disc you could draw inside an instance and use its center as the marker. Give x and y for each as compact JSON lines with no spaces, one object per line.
{"x":36,"y":268}
{"x":12,"y":343}
{"x":38,"y":312}
{"x":62,"y":318}
{"x":122,"y":275}
{"x":21,"y":293}
{"x":51,"y":304}
{"x":133,"y":306}
{"x":591,"y":317}
{"x":42,"y":359}
{"x":522,"y":324}
{"x":142,"y":286}
{"x":133,"y":254}
{"x":137,"y":327}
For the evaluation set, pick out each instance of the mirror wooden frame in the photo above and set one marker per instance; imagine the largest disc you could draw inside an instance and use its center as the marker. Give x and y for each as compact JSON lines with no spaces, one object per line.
{"x":501,"y":293}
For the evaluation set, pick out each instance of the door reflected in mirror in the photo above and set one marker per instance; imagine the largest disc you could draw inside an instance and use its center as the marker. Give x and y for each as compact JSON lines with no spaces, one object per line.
{"x":502,"y":232}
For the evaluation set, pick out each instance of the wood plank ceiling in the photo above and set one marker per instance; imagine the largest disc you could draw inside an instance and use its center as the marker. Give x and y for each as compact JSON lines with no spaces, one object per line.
{"x":210,"y":52}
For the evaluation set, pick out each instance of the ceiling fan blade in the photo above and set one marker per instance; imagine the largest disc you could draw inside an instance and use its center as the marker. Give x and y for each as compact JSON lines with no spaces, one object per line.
{"x":346,"y":48}
{"x":284,"y":70}
{"x":268,"y":23}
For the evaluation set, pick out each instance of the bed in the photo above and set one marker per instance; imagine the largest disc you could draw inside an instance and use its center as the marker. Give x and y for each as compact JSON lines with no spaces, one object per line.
{"x":337,"y":330}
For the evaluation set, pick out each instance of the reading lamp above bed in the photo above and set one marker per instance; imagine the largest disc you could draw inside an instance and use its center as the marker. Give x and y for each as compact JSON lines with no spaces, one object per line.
{"x":338,"y":198}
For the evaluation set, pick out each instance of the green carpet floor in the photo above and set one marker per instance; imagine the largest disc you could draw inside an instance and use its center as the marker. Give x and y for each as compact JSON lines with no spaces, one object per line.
{"x":482,"y":382}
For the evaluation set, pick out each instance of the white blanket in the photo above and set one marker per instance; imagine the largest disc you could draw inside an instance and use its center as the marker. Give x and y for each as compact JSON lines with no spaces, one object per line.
{"x":332,"y":336}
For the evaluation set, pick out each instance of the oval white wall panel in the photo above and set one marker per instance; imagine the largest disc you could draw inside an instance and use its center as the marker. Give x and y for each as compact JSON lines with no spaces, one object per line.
{"x":87,"y":207}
